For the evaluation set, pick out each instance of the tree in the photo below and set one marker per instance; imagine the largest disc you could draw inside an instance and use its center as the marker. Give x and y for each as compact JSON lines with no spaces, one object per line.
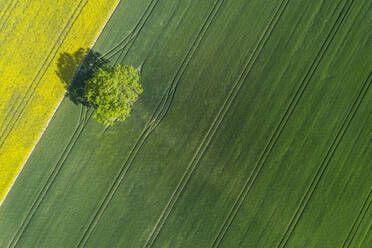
{"x":112,"y":91}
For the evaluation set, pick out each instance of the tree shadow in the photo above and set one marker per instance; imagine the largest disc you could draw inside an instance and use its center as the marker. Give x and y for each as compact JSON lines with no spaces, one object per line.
{"x":74,"y":69}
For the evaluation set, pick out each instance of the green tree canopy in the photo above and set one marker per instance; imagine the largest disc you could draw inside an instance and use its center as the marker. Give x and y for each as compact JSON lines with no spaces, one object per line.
{"x":112,"y":91}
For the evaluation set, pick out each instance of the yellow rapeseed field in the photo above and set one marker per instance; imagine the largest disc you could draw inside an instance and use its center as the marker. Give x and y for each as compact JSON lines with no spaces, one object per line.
{"x":32,"y":36}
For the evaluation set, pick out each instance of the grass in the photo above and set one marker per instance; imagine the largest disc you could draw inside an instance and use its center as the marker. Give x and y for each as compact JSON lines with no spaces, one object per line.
{"x":251,"y":132}
{"x":33,"y":34}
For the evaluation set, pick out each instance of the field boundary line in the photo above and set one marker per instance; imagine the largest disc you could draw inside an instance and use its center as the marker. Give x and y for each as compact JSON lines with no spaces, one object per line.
{"x":33,"y":148}
{"x":102,"y":29}
{"x":132,"y":35}
{"x":55,"y":109}
{"x":39,"y":75}
{"x":50,"y":180}
{"x":157,"y":116}
{"x":83,"y":121}
{"x":325,"y":162}
{"x":272,"y":141}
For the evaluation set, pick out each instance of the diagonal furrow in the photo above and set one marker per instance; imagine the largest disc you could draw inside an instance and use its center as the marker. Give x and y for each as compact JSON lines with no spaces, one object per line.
{"x":133,"y":34}
{"x":84,"y":117}
{"x":82,"y":122}
{"x":358,"y":221}
{"x":17,"y":112}
{"x":278,"y":130}
{"x":214,"y":127}
{"x":9,"y":111}
{"x":170,"y":92}
{"x":324,"y":164}
{"x":130,"y":35}
{"x":140,"y":25}
{"x":117,"y":48}
{"x":158,"y":115}
{"x":7,"y":13}
{"x":5,"y":10}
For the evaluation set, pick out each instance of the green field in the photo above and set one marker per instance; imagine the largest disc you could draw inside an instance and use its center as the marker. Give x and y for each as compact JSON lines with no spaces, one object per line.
{"x":254,"y":130}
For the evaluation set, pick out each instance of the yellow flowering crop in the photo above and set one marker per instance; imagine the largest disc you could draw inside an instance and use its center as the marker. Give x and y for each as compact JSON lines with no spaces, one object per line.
{"x":32,"y":36}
